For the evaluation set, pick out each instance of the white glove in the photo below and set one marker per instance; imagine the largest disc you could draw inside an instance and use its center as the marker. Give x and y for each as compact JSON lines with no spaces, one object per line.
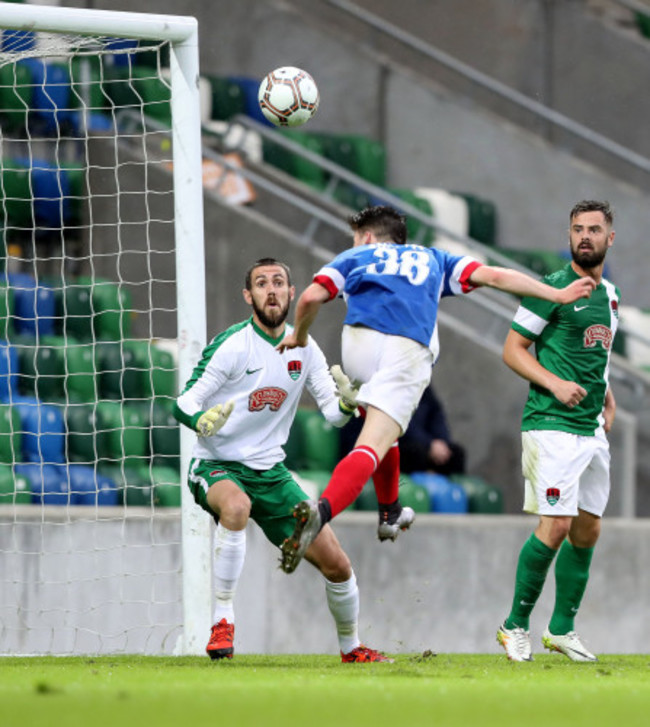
{"x":211,"y":421}
{"x":346,"y":392}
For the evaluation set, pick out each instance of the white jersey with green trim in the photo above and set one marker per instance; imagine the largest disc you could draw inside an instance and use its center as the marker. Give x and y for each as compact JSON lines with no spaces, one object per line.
{"x":242,"y":364}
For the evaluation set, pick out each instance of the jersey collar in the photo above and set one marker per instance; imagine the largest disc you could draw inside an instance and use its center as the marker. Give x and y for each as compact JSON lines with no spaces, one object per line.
{"x":265,"y":336}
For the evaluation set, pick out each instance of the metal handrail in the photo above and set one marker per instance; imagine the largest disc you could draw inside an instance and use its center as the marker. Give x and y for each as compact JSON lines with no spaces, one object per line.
{"x":500,"y":89}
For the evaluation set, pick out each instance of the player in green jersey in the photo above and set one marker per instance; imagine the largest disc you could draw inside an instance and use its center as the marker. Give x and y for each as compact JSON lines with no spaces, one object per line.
{"x":241,"y":401}
{"x":565,"y":457}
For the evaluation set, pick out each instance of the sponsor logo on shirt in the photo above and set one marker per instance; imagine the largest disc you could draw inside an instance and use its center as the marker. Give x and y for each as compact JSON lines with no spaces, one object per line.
{"x":598,"y":333}
{"x":295,"y":369}
{"x":552,"y":495}
{"x":271,"y":396}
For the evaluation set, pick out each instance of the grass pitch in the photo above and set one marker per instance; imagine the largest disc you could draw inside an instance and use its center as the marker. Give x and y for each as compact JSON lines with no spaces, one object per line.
{"x":315,"y":690}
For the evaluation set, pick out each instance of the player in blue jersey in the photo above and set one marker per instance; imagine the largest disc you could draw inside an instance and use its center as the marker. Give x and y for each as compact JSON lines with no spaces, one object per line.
{"x":565,"y":452}
{"x":241,"y":401}
{"x":389,"y":344}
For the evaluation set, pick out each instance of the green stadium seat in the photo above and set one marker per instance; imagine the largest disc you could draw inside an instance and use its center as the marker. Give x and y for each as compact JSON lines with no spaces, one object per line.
{"x":131,"y":86}
{"x":313,"y":442}
{"x":482,"y":497}
{"x":10,"y":434}
{"x":16,"y":91}
{"x":17,"y":208}
{"x":88,"y":436}
{"x":166,"y":485}
{"x":294,"y":164}
{"x":413,"y":495}
{"x":42,"y":370}
{"x":228,"y":98}
{"x":128,"y":435}
{"x":165,"y":441}
{"x":111,"y":304}
{"x":157,"y":367}
{"x":120,"y":377}
{"x":359,"y":154}
{"x":367,"y":500}
{"x":74,"y":312}
{"x":15,"y":489}
{"x":542,"y":262}
{"x":482,"y":218}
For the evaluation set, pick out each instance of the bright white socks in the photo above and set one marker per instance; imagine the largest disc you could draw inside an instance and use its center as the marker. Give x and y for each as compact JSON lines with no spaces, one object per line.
{"x":229,"y":555}
{"x":343,"y":602}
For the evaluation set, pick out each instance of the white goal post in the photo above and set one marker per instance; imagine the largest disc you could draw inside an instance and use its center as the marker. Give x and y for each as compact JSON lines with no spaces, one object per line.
{"x":73,"y":566}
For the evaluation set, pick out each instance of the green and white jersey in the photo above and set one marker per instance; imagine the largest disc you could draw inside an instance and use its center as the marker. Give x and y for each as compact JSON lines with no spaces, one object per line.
{"x":242,"y":364}
{"x":575,"y":343}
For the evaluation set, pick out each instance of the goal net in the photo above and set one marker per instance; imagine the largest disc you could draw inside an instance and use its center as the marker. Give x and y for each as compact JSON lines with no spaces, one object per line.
{"x":97,"y":128}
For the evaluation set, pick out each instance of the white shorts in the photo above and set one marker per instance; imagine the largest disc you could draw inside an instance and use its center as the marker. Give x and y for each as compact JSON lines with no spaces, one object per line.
{"x":393,"y":371}
{"x":564,"y":472}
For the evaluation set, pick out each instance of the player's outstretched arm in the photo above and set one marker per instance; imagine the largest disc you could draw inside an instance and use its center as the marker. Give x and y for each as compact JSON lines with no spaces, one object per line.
{"x":512,"y":281}
{"x":307,"y":309}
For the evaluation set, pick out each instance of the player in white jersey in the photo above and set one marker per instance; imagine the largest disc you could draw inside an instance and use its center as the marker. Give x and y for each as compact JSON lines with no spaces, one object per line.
{"x":389,"y":345}
{"x":565,"y":457}
{"x":241,"y":400}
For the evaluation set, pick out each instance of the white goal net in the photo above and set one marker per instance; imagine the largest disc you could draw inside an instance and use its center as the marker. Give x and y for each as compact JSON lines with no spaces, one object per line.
{"x":91,"y":557}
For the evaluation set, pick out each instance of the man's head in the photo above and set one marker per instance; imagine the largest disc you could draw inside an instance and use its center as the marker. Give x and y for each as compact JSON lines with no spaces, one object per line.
{"x":378,"y":224}
{"x":590,"y":233}
{"x":269,"y":291}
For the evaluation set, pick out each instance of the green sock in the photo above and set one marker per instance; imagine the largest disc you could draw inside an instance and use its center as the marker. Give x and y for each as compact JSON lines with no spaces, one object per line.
{"x":535,"y":559}
{"x":571,"y":576}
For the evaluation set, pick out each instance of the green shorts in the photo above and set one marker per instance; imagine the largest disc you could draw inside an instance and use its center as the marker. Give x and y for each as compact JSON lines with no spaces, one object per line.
{"x":273,"y":493}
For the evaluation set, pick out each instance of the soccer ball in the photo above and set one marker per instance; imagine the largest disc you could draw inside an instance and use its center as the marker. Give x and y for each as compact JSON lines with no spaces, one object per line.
{"x":288,"y":96}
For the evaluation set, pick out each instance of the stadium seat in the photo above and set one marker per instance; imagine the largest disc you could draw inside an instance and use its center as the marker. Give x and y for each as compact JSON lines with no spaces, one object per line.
{"x":17,"y":209}
{"x":43,"y":430}
{"x":51,"y":95}
{"x":359,"y":154}
{"x":133,"y":489}
{"x":42,"y":370}
{"x":482,"y":218}
{"x":15,"y":489}
{"x":313,"y":442}
{"x":451,"y":212}
{"x":9,"y":369}
{"x":542,"y":262}
{"x":48,"y":482}
{"x":156,"y":366}
{"x":367,"y":499}
{"x":413,"y":495}
{"x":128,"y":437}
{"x":88,"y":487}
{"x":445,"y":496}
{"x":228,"y":99}
{"x":165,"y":440}
{"x":16,"y":92}
{"x":481,"y":496}
{"x":6,"y":311}
{"x":34,"y":308}
{"x":10,"y":434}
{"x":129,"y":87}
{"x":88,"y":437}
{"x":166,"y":485}
{"x":111,"y":304}
{"x":294,"y":164}
{"x":249,"y":88}
{"x":119,"y":374}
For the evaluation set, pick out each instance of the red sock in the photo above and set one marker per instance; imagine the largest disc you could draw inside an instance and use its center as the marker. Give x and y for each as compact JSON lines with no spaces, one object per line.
{"x":349,"y":477}
{"x":386,"y":477}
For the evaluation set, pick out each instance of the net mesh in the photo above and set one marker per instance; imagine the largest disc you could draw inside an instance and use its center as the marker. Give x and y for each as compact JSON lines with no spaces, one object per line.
{"x":89,"y":449}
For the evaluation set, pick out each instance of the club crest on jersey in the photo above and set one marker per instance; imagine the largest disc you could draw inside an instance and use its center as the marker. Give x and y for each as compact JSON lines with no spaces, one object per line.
{"x":271,"y":396}
{"x":614,"y":305}
{"x":598,"y":333}
{"x":552,"y":495}
{"x":295,"y":369}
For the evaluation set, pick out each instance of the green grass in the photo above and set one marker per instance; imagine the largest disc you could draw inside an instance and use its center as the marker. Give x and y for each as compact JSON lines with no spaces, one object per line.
{"x":314,"y":690}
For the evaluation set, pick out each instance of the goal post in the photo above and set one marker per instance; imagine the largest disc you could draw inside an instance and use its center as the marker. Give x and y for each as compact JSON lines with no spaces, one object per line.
{"x":186,"y":621}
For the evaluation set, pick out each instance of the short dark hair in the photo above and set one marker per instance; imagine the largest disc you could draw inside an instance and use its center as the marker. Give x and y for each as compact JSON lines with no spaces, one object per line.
{"x":592,"y":205}
{"x":386,"y":223}
{"x":262,"y":262}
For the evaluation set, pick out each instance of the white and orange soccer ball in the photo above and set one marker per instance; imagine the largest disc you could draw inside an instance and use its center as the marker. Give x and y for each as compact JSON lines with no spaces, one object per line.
{"x":288,"y":96}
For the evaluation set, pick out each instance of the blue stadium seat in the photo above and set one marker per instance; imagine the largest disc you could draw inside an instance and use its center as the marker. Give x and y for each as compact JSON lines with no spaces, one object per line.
{"x":43,"y":430}
{"x":51,"y":192}
{"x":51,"y":96}
{"x":88,"y":487}
{"x":49,"y":483}
{"x":34,"y":305}
{"x":250,"y":87}
{"x":445,"y":496}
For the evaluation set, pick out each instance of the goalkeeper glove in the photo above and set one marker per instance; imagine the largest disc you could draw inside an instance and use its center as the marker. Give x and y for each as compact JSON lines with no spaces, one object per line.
{"x":211,"y":421}
{"x":346,"y":392}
